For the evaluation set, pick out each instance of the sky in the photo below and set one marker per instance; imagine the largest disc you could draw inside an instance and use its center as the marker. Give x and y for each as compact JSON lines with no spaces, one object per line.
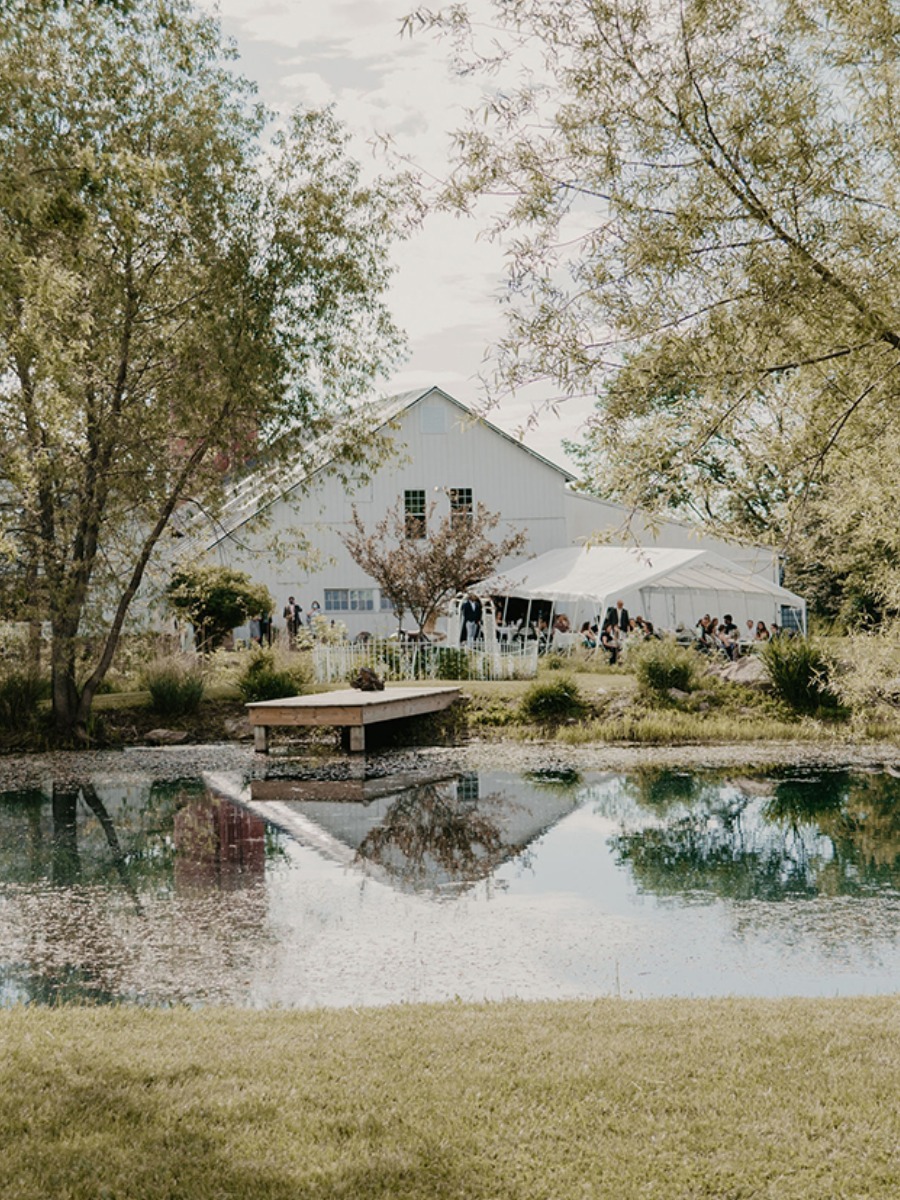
{"x":448,"y":279}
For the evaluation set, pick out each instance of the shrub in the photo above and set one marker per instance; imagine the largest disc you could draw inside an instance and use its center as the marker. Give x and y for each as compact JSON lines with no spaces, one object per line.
{"x":176,"y":686}
{"x":662,"y":664}
{"x":798,"y":671}
{"x":451,"y":663}
{"x":216,"y":599}
{"x":554,"y":701}
{"x":555,"y":662}
{"x":865,"y":672}
{"x":267,"y":678}
{"x":20,"y":694}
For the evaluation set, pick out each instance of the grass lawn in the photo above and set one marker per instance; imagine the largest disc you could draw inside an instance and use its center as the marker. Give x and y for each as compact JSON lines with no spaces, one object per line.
{"x":793,"y":1100}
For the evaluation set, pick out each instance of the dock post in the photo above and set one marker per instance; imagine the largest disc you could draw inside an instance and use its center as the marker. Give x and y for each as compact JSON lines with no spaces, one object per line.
{"x":261,"y":739}
{"x":357,"y":739}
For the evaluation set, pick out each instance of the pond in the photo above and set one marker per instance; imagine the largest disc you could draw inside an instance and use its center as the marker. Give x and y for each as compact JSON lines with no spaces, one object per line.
{"x":483,"y":886}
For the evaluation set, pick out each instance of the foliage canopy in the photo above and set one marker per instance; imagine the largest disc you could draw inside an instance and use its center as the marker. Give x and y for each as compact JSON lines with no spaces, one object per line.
{"x":173,"y":302}
{"x":701,"y":212}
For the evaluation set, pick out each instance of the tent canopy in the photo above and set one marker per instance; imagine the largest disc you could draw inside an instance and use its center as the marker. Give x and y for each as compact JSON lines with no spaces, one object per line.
{"x":591,"y":577}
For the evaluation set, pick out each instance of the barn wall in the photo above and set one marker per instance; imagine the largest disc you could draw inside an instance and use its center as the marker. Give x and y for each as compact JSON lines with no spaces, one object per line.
{"x":442,"y":448}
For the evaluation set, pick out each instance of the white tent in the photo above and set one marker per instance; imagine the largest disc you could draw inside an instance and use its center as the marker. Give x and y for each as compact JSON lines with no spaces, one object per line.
{"x":666,"y":586}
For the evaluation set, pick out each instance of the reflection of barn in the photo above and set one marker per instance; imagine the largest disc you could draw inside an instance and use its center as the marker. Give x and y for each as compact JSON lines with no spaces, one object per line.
{"x":428,"y":835}
{"x":218,"y":845}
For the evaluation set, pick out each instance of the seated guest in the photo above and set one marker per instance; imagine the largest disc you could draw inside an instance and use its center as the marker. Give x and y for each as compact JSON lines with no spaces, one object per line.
{"x":561,"y":623}
{"x":762,"y":634}
{"x":588,"y":636}
{"x":610,"y":640}
{"x":728,"y":638}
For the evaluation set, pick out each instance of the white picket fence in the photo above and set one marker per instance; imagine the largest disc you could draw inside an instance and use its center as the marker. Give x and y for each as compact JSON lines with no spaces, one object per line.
{"x":394,"y":660}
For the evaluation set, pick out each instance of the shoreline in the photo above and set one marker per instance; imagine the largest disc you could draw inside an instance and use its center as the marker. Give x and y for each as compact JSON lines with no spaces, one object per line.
{"x":29,"y":770}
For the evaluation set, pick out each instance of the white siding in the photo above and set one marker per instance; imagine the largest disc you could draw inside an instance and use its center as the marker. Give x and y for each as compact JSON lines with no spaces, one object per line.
{"x":440,"y":446}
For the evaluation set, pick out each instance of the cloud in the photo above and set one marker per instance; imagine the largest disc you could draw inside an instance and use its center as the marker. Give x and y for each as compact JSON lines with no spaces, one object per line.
{"x":448,"y":280}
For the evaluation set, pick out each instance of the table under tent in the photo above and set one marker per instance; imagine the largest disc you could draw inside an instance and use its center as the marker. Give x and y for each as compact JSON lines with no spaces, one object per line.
{"x":665,"y":586}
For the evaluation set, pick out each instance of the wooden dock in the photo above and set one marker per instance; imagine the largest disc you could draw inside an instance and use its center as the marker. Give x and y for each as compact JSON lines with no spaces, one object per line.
{"x":348,"y":709}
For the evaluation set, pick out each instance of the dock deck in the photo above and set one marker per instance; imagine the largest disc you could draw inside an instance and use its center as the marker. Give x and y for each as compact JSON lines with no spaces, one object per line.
{"x":348,"y":708}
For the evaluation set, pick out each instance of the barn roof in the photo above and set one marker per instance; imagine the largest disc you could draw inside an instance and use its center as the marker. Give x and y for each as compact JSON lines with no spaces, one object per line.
{"x":258,"y":490}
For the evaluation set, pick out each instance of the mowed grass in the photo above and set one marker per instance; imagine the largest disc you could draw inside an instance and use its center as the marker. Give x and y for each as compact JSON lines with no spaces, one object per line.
{"x":620,"y":1099}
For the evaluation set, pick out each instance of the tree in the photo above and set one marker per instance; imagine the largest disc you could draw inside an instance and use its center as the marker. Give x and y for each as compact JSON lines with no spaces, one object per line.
{"x":699,"y":202}
{"x":215,"y":600}
{"x":172,"y":302}
{"x":419,"y":574}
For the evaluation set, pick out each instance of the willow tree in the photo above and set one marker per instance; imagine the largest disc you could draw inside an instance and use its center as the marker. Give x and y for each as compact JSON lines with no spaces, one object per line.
{"x":173,"y":302}
{"x":701,"y":211}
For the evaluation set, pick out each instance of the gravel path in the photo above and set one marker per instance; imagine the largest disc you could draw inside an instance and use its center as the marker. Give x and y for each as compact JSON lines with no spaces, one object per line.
{"x":179,"y":762}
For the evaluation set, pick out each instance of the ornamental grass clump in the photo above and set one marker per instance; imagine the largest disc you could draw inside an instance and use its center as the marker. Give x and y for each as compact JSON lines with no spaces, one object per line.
{"x":20,"y":694}
{"x":266,"y":677}
{"x":661,"y":664}
{"x":176,"y":686}
{"x":552,"y":702}
{"x":798,"y":671}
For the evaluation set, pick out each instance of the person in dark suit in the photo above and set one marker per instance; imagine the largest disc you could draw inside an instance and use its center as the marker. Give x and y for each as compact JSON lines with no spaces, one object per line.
{"x":470,"y":616}
{"x":618,"y":615}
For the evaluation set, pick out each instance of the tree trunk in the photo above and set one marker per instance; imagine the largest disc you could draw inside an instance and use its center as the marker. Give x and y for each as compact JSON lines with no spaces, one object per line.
{"x":64,"y":689}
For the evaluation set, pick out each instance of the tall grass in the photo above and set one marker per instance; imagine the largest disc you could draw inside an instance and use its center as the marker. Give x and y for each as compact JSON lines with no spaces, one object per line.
{"x":798,"y":671}
{"x":552,"y":701}
{"x":20,"y":695}
{"x":176,"y":686}
{"x":659,"y":665}
{"x":269,"y":676}
{"x":673,"y":727}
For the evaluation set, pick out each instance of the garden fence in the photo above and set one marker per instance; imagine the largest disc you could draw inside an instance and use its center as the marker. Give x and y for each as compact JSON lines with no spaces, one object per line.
{"x":395,"y":660}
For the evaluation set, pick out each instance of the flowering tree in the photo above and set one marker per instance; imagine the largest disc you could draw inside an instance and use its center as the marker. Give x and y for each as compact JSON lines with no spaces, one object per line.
{"x":419,"y":574}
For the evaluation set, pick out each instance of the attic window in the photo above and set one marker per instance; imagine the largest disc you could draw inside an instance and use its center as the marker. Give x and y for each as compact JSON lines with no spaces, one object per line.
{"x":434,"y":418}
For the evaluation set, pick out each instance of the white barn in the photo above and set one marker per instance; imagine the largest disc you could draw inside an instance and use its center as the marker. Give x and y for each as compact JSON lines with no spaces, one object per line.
{"x":442,"y":447}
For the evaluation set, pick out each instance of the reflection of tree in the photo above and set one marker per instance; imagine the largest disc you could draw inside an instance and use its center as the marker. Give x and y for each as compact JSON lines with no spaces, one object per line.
{"x":832,"y":833}
{"x":660,"y":789}
{"x":65,"y":863}
{"x":82,"y":938}
{"x":858,"y":812}
{"x":218,"y":846}
{"x":428,"y":832}
{"x":558,"y":778}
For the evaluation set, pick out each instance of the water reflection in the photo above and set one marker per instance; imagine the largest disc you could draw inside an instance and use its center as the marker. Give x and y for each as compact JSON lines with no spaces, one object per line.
{"x":828,"y":834}
{"x":440,"y":836}
{"x":310,"y":891}
{"x":103,"y":888}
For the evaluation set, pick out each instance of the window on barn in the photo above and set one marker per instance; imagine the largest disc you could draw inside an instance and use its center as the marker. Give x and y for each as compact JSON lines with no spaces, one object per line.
{"x":461,"y":506}
{"x":414,"y":512}
{"x":349,"y":599}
